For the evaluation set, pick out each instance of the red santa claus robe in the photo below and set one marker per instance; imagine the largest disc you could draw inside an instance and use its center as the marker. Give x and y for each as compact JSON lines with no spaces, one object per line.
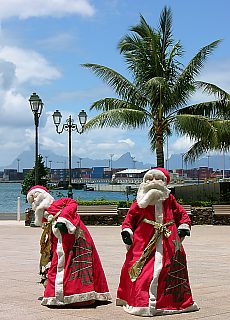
{"x":163,"y":285}
{"x":75,"y":274}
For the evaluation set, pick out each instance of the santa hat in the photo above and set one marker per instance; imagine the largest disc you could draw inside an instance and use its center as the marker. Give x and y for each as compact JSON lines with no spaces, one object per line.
{"x":37,"y":188}
{"x":165,"y":172}
{"x":154,"y":171}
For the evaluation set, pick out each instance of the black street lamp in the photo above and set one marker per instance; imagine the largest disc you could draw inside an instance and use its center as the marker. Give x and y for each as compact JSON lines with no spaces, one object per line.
{"x":70,"y":126}
{"x":36,"y":107}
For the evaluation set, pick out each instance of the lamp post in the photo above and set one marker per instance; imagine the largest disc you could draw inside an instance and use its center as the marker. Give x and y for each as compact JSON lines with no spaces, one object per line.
{"x":134,"y":162}
{"x":80,"y":159}
{"x":36,"y":105}
{"x":111,"y":160}
{"x":50,"y":161}
{"x":182,"y":165}
{"x":18,"y":160}
{"x":70,"y":126}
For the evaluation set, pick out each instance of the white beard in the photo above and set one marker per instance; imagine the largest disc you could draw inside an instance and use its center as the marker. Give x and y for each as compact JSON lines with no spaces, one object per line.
{"x":149,"y":193}
{"x":42,"y":201}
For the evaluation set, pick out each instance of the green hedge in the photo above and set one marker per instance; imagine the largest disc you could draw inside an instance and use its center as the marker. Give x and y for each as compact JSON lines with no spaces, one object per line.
{"x":120,"y":204}
{"x":127,"y":204}
{"x":202,"y":203}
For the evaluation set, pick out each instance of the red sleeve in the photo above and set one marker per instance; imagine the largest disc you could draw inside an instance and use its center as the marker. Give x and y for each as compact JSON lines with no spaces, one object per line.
{"x":69,"y":210}
{"x":133,"y":217}
{"x":179,"y":213}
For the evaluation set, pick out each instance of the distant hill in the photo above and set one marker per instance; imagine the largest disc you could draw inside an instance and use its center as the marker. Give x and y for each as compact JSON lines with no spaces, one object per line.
{"x":26,"y":160}
{"x":214,"y":161}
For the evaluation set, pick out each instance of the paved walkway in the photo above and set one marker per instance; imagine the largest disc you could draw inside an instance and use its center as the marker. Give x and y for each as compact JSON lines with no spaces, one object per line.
{"x":208,"y":254}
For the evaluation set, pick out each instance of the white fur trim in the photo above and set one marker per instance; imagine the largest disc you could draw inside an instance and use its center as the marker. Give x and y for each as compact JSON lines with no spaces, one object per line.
{"x":130,"y":231}
{"x":158,"y":264}
{"x":184,"y":226}
{"x":93,"y":295}
{"x":127,"y":246}
{"x":60,"y":268}
{"x":38,"y":215}
{"x":71,"y":228}
{"x":146,"y":312}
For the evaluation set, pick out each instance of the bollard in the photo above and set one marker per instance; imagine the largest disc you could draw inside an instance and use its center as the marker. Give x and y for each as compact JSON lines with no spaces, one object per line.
{"x":18,"y":210}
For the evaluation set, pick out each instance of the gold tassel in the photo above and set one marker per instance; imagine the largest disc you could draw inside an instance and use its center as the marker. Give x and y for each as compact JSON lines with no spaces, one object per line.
{"x":46,"y":242}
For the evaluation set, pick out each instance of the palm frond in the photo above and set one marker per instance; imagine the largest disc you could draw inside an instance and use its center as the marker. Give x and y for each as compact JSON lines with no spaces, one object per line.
{"x":122,"y":86}
{"x":107,"y":104}
{"x":185,"y":86}
{"x":143,"y":29}
{"x":197,"y":150}
{"x":166,"y":29}
{"x":194,"y":126}
{"x":196,"y":64}
{"x":211,"y":142}
{"x":213,"y":89}
{"x":211,"y":109}
{"x":124,"y":118}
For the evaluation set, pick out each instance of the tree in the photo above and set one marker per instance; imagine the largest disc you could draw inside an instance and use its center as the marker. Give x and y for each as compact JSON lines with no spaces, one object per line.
{"x":158,"y":96}
{"x":176,"y":281}
{"x":29,"y":180}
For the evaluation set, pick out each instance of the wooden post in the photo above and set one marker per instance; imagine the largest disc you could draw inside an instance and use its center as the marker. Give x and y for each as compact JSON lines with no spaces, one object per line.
{"x":18,"y":210}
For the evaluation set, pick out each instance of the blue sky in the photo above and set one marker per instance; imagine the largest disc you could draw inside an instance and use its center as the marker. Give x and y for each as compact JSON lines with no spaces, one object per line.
{"x":43,"y":44}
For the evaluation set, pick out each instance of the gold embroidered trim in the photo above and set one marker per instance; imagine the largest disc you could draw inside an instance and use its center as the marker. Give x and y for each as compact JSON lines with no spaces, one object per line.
{"x":137,"y":267}
{"x":45,"y":242}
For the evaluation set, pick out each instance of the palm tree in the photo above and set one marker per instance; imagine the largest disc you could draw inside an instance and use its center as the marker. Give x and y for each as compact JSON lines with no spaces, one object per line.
{"x":158,"y":96}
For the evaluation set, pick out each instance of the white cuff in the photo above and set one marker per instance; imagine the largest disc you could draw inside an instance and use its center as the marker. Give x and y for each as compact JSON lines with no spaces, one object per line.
{"x":130,"y":231}
{"x":71,"y":228}
{"x":184,"y":226}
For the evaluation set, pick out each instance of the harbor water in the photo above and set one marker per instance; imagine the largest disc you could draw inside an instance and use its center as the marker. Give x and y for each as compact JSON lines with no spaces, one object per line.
{"x":9,"y":193}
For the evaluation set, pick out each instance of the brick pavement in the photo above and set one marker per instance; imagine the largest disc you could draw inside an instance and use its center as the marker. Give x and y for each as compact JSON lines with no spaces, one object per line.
{"x":208,"y":254}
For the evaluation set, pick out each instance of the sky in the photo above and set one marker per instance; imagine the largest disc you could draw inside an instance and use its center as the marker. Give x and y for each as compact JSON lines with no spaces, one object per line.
{"x":43,"y":45}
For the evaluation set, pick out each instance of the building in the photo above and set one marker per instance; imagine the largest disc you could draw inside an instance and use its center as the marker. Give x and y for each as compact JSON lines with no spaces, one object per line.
{"x":133,"y":176}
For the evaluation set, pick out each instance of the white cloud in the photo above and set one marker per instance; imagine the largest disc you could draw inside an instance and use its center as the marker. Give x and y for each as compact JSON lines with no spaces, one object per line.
{"x":181,"y":145}
{"x":215,"y":72}
{"x":95,"y":144}
{"x":39,"y":8}
{"x":62,"y":41}
{"x":30,"y":66}
{"x":7,"y":74}
{"x":127,"y":142}
{"x":20,"y":67}
{"x":14,"y":110}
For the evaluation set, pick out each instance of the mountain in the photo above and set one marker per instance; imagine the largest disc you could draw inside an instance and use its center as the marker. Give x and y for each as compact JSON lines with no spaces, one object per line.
{"x":213,"y":161}
{"x":25,"y":160}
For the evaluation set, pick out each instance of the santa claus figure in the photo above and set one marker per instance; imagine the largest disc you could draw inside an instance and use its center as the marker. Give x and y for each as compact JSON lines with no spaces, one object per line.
{"x":70,"y":266}
{"x":154,"y":278}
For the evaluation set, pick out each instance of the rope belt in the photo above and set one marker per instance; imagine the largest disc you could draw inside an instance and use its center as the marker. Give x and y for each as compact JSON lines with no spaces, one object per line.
{"x":45,"y":242}
{"x":160,"y":229}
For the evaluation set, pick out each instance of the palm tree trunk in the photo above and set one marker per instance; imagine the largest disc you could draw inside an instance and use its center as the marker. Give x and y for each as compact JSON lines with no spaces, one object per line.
{"x":160,"y":151}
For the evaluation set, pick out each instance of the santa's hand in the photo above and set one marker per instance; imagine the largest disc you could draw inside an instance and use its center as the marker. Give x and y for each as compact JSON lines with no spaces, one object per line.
{"x":183,"y":232}
{"x":62,"y":227}
{"x":126,"y":237}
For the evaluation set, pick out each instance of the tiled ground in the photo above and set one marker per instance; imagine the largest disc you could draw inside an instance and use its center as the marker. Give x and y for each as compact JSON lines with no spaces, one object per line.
{"x":208,"y":255}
